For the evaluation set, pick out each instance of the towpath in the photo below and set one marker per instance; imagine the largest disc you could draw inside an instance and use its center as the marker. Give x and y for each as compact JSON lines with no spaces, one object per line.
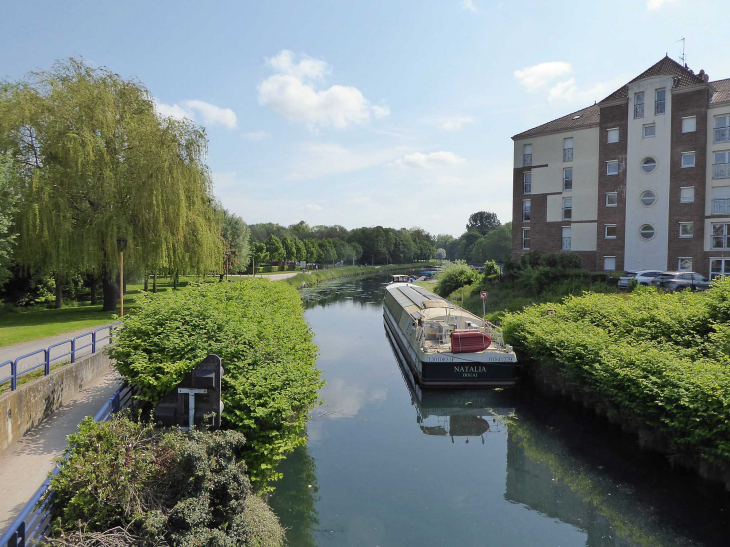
{"x":272,"y":277}
{"x":25,"y":464}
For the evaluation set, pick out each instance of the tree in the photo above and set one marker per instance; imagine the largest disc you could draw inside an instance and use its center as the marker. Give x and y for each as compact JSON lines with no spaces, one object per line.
{"x":329,"y":253}
{"x":313,"y":252}
{"x":440,"y":254}
{"x":7,"y":210}
{"x":96,"y":163}
{"x":496,"y":245}
{"x":259,"y":254}
{"x":356,"y":251}
{"x":403,"y":247}
{"x":275,"y":248}
{"x":482,"y":222}
{"x":290,"y":249}
{"x":301,"y":249}
{"x":442,"y":240}
{"x":236,"y":235}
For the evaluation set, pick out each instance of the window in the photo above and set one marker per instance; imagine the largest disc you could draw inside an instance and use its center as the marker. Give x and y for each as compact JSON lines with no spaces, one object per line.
{"x":612,"y":135}
{"x":720,"y":235}
{"x":609,"y":263}
{"x":649,"y":131}
{"x":660,"y":96}
{"x":610,"y":231}
{"x":686,"y":229}
{"x":525,"y":238}
{"x":648,"y":165}
{"x":719,"y":267}
{"x":648,"y":198}
{"x":567,"y":208}
{"x":638,"y":105}
{"x":687,"y":194}
{"x":722,"y":128}
{"x":689,"y":124}
{"x":688,"y":159}
{"x":568,"y":149}
{"x":684,"y":264}
{"x":527,"y":155}
{"x":527,"y":183}
{"x":566,"y":238}
{"x":721,"y":165}
{"x":568,"y":178}
{"x":526,"y":205}
{"x":646,"y":232}
{"x":612,"y":167}
{"x":611,"y":199}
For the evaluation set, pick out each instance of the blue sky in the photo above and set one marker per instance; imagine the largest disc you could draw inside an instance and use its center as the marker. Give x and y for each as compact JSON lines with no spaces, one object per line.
{"x":386,"y":112}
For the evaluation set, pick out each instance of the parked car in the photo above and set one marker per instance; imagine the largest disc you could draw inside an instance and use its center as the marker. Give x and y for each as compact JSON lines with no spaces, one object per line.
{"x":643,"y":277}
{"x":679,"y":281}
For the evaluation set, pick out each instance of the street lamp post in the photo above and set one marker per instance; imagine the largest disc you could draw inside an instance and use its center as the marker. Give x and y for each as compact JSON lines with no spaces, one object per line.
{"x":121,"y":245}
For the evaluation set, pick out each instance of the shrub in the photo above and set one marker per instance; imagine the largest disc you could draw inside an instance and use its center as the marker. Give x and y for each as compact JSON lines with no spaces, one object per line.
{"x":144,"y":486}
{"x":258,"y":329}
{"x":491,"y":270}
{"x":456,"y":275}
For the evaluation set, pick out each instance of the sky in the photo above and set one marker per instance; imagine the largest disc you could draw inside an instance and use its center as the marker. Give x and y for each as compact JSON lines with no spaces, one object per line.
{"x":376,"y":112}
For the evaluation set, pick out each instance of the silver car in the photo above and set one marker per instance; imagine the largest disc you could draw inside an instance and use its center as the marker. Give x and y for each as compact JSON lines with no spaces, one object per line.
{"x":680,"y":281}
{"x":643,"y":277}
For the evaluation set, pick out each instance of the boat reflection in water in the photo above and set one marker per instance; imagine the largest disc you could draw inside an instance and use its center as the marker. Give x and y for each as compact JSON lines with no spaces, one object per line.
{"x":462,"y":414}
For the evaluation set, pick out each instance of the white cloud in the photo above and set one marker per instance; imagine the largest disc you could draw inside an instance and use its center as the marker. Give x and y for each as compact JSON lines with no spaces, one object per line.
{"x":256,"y":135}
{"x":656,"y":4}
{"x":468,"y":5}
{"x":434,"y":159}
{"x":536,"y":78}
{"x":290,"y":94}
{"x":570,"y":91}
{"x":209,"y":114}
{"x":317,"y":160}
{"x":455,"y":124}
{"x":312,"y":207}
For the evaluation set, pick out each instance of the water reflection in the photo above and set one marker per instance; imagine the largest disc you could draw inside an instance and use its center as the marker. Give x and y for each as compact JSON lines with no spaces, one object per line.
{"x":389,"y":463}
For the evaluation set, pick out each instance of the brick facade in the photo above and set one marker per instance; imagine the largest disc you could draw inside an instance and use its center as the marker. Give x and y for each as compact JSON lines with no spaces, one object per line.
{"x":615,"y":116}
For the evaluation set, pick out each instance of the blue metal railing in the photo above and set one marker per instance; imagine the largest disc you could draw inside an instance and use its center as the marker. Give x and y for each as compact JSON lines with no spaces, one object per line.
{"x":15,"y":372}
{"x":35,"y":518}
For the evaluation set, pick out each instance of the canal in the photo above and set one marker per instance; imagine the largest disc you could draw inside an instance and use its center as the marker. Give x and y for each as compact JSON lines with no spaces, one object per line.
{"x":387,"y":464}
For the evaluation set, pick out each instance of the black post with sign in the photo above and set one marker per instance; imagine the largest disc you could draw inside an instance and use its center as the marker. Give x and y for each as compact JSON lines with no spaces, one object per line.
{"x":198,"y":396}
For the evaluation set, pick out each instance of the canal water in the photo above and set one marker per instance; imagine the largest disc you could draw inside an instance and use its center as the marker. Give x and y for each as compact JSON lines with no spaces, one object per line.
{"x":387,"y":464}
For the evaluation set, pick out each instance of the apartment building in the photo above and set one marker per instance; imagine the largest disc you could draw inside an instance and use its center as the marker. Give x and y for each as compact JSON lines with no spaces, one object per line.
{"x":640,"y":180}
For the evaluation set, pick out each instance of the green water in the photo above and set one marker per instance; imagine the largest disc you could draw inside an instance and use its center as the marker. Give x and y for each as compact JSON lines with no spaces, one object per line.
{"x":389,"y":465}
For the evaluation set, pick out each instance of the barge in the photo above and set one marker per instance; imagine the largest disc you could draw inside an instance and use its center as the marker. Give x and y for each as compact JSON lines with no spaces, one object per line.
{"x":445,"y":345}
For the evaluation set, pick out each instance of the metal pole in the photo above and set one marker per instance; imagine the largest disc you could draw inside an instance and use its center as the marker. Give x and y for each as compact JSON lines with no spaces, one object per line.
{"x":121,"y":282}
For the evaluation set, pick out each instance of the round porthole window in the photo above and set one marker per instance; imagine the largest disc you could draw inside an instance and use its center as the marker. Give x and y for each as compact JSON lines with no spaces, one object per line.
{"x":648,"y":198}
{"x":648,"y":165}
{"x":646,"y":231}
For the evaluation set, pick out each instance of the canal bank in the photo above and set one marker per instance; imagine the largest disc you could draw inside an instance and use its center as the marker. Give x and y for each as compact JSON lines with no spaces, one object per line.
{"x":385,"y":465}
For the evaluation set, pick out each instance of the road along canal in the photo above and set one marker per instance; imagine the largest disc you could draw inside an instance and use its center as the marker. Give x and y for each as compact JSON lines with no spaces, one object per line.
{"x":387,"y":463}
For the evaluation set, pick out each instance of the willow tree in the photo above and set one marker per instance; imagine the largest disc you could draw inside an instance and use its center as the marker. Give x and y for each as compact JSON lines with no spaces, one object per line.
{"x":99,"y":164}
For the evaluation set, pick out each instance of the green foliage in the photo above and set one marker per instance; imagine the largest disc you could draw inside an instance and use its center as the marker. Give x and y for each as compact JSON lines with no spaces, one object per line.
{"x":496,"y":246}
{"x":491,"y":270}
{"x":236,"y":235}
{"x":455,"y":275}
{"x":482,"y":222}
{"x":258,"y":329}
{"x":275,"y":248}
{"x":7,"y":210}
{"x":657,"y":361}
{"x":162,"y":486}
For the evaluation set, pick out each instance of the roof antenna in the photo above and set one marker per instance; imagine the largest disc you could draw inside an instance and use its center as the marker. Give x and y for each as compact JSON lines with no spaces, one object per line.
{"x":683,"y":57}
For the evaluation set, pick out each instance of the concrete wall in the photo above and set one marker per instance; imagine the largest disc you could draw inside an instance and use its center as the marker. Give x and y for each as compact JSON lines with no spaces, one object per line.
{"x":24,"y":408}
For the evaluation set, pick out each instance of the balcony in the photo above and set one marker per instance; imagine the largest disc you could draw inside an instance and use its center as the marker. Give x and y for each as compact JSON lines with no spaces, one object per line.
{"x":566,"y":244}
{"x":526,"y":160}
{"x":639,"y":110}
{"x":721,"y":171}
{"x":722,"y":134}
{"x":721,"y":206}
{"x":659,"y":108}
{"x":567,"y":154}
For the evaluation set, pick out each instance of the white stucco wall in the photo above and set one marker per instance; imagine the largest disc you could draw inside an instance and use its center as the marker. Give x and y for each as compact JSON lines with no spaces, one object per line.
{"x":583,"y":236}
{"x":712,"y":147}
{"x":639,"y":253}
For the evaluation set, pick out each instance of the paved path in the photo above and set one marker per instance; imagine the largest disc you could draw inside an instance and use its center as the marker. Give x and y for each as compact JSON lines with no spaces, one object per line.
{"x":25,"y":464}
{"x":272,"y":277}
{"x":11,"y":352}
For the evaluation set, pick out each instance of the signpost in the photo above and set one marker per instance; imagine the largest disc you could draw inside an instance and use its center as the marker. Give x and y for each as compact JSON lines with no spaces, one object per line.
{"x":483,"y":295}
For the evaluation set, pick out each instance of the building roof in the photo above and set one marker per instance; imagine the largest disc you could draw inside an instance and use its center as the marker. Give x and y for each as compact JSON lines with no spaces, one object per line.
{"x":722,"y":91}
{"x":683,"y":77}
{"x":576,"y":120}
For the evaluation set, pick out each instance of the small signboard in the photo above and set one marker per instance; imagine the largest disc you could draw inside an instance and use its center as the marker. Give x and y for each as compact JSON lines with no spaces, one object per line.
{"x":483,"y":295}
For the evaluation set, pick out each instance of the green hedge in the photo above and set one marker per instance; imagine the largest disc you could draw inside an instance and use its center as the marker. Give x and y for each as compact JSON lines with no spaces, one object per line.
{"x":658,"y":362}
{"x":314,"y":277}
{"x":258,"y":329}
{"x":129,"y":483}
